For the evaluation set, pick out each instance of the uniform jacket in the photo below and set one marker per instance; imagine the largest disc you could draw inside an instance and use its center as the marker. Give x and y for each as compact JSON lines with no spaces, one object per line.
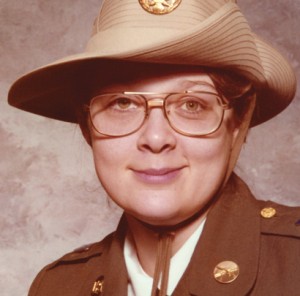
{"x":264,"y":244}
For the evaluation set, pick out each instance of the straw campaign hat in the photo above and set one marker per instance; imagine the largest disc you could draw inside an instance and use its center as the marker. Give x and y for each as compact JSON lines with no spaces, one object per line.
{"x":211,"y":33}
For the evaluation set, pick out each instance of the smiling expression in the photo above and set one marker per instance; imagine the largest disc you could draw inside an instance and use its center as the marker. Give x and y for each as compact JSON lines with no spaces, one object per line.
{"x":156,"y":174}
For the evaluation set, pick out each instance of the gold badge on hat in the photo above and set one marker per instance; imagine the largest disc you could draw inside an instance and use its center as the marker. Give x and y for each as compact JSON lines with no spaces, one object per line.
{"x":159,"y":6}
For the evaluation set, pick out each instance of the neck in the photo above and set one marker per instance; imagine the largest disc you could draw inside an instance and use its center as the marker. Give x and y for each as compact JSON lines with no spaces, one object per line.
{"x":145,"y":238}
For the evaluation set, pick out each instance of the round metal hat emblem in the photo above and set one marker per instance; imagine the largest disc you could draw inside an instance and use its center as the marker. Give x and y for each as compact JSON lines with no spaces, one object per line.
{"x":159,"y":6}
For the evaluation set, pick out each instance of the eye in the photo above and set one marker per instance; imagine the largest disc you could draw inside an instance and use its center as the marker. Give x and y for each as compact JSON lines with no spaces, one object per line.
{"x":191,"y":105}
{"x":122,"y":103}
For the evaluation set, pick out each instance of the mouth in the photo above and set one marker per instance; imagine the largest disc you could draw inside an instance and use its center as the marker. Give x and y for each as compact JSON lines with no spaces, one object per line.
{"x":158,"y":176}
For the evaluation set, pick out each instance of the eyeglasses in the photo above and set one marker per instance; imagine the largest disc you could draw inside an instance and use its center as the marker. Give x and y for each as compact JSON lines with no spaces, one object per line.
{"x":189,"y":113}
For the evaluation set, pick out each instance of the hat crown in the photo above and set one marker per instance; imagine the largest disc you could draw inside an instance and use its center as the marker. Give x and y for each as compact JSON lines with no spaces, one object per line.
{"x":116,"y":14}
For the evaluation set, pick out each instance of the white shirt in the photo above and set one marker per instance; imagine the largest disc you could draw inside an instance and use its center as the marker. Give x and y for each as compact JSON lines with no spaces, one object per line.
{"x":140,"y":283}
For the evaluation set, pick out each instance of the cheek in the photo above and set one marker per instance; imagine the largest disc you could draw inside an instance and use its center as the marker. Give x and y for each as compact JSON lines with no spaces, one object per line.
{"x":216,"y":146}
{"x":105,"y":164}
{"x":106,"y":155}
{"x":110,"y":157}
{"x":210,"y":156}
{"x":210,"y":162}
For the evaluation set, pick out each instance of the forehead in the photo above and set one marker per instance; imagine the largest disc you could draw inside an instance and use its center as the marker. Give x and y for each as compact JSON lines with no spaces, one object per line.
{"x":162,"y":81}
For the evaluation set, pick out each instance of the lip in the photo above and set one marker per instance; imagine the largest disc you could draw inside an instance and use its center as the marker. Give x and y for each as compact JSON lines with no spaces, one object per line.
{"x":157,"y":176}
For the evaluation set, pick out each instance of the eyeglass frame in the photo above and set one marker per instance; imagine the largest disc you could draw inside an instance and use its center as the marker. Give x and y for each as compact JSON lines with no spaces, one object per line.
{"x":160,"y":103}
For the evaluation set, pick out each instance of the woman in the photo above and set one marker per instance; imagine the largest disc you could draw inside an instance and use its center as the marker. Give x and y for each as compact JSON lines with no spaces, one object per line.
{"x":165,"y":94}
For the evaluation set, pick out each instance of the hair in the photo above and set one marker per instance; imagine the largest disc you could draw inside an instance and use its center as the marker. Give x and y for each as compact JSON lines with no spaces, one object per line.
{"x":234,"y":88}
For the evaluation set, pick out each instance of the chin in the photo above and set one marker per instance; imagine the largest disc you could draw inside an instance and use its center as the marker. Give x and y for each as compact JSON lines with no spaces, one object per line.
{"x":159,"y":218}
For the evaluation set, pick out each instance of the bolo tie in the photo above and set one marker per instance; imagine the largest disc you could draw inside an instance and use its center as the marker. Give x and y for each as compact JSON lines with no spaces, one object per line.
{"x":162,"y":264}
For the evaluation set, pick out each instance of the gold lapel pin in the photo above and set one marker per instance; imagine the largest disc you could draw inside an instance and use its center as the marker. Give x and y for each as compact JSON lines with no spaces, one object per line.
{"x":226,"y":272}
{"x":268,"y":213}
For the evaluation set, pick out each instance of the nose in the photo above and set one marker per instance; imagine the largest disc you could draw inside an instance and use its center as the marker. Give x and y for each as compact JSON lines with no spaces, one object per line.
{"x":156,"y":135}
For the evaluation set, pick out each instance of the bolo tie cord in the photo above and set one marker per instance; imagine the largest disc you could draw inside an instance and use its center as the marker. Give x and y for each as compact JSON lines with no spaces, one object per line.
{"x":162,"y":264}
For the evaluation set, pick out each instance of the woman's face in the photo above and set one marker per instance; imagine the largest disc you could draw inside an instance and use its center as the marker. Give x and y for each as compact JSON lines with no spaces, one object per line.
{"x":156,"y":174}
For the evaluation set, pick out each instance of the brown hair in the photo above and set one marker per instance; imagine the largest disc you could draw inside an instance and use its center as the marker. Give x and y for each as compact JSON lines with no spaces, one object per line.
{"x":236,"y":89}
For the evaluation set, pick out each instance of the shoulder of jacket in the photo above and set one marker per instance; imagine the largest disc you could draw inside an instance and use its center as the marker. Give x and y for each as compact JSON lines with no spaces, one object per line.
{"x":77,"y":258}
{"x":83,"y":253}
{"x":280,"y":220}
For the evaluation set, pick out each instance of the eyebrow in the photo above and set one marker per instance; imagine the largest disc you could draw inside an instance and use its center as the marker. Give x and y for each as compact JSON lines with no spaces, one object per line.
{"x":200,"y":84}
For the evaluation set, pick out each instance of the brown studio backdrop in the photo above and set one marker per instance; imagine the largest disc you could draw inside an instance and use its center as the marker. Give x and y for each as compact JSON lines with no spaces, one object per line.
{"x":50,"y":199}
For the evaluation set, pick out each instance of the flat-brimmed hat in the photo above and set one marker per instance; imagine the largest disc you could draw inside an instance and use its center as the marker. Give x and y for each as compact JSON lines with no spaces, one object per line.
{"x":209,"y":33}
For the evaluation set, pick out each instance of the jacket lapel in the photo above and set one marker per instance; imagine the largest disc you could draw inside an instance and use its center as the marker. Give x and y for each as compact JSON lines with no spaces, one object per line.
{"x":231,"y":233}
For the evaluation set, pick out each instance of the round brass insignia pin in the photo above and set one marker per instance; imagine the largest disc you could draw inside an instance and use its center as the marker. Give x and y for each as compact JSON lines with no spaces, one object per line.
{"x":226,"y":272}
{"x":268,"y":213}
{"x":159,"y":6}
